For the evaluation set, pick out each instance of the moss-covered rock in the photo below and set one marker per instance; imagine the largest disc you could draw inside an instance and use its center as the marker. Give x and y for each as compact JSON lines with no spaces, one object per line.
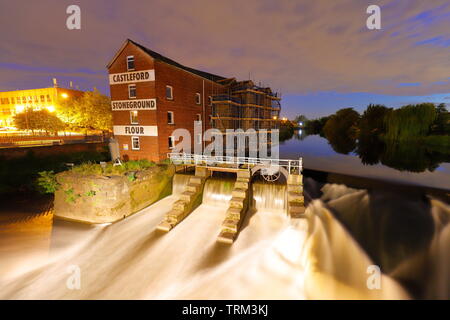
{"x":101,"y":198}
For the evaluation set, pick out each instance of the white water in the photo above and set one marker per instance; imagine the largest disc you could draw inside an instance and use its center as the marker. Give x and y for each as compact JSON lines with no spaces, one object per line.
{"x":179,"y":182}
{"x":269,"y":196}
{"x":273,"y":257}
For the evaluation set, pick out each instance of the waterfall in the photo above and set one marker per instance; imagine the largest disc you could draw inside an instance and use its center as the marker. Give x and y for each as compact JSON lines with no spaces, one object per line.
{"x":336,"y":267}
{"x":179,"y":182}
{"x":326,"y":255}
{"x":269,"y":196}
{"x":406,"y":237}
{"x":217,"y":191}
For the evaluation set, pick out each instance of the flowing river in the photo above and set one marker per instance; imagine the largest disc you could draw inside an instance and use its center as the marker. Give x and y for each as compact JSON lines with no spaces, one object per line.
{"x":274,"y":257}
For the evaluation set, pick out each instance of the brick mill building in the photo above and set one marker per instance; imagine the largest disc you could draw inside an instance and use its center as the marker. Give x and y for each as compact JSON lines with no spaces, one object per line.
{"x":152,"y":95}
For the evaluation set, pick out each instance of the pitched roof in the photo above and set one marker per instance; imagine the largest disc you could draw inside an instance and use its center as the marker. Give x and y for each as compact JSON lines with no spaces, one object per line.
{"x":160,"y":57}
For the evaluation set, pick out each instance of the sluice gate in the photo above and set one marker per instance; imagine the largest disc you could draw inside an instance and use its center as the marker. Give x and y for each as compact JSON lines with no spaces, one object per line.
{"x":245,"y":168}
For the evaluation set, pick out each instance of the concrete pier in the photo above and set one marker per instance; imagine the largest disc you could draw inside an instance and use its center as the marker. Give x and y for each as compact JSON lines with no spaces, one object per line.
{"x":296,"y":201}
{"x":190,"y":199}
{"x":237,"y":210}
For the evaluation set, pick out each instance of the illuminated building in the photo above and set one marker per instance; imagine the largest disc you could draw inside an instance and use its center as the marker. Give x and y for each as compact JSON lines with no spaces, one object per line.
{"x":12,"y":102}
{"x":152,"y":95}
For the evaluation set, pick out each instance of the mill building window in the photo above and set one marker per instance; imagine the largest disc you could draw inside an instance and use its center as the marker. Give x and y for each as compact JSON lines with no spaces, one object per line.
{"x":135,"y":143}
{"x":134,"y":117}
{"x":132,"y":91}
{"x":130,"y":63}
{"x":170,"y":118}
{"x":169,"y":93}
{"x":171,"y":141}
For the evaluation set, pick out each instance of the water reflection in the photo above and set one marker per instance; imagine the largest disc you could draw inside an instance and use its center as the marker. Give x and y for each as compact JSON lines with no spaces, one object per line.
{"x":371,"y":149}
{"x":371,"y":157}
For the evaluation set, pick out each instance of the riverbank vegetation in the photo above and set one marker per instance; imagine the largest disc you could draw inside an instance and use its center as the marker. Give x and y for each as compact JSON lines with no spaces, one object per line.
{"x":46,"y":180}
{"x":286,"y":130}
{"x":18,"y":175}
{"x":410,"y":121}
{"x":109,"y":169}
{"x":413,"y":137}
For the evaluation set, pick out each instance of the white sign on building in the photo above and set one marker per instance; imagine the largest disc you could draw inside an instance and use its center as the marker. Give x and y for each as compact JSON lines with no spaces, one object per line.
{"x":132,"y":77}
{"x":151,"y":131}
{"x":141,"y":104}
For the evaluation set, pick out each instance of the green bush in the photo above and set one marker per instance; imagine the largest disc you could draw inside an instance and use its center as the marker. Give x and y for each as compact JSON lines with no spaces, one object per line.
{"x":131,"y":176}
{"x":20,"y":174}
{"x":90,"y":168}
{"x":138,"y":165}
{"x":46,"y":182}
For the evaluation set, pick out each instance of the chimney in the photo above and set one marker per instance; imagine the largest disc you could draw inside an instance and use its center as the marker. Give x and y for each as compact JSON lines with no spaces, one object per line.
{"x":71,"y":84}
{"x":55,"y":83}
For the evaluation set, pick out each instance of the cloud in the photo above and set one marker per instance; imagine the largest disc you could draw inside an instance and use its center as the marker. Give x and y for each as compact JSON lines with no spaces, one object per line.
{"x":297,"y":47}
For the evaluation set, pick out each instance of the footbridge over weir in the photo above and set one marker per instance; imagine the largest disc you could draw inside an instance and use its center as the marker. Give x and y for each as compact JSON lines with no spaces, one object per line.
{"x":245,"y":168}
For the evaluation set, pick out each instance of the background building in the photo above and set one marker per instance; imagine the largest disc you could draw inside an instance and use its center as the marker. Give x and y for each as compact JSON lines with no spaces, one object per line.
{"x":245,"y":106}
{"x":12,"y":102}
{"x":152,"y":95}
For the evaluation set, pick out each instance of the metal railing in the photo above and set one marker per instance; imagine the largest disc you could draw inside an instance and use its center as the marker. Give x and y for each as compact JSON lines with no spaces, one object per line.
{"x":233,"y":162}
{"x":41,"y":140}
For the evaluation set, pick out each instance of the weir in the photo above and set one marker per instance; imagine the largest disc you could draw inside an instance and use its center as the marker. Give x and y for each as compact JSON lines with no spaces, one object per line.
{"x":191,"y":195}
{"x":189,"y":199}
{"x":237,"y":208}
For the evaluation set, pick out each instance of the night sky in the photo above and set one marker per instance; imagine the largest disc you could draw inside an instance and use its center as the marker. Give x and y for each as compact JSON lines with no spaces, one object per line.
{"x":317,"y":53}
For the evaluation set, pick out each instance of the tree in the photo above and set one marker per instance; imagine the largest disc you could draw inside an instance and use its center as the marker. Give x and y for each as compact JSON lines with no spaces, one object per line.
{"x":300,"y":118}
{"x":372,"y":120}
{"x":90,"y":111}
{"x":370,"y":145}
{"x":286,"y":130}
{"x":38,"y":120}
{"x":315,"y":126}
{"x":410,"y":121}
{"x":442,"y":123}
{"x":441,"y":108}
{"x":344,"y":121}
{"x":341,"y":130}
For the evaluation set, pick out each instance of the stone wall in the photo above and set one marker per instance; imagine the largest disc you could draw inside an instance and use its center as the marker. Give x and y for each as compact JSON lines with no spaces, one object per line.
{"x":102,"y":199}
{"x":46,"y":151}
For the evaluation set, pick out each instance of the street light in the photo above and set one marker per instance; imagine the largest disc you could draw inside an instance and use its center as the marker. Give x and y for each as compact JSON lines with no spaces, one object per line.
{"x":64,"y":95}
{"x":20,"y":108}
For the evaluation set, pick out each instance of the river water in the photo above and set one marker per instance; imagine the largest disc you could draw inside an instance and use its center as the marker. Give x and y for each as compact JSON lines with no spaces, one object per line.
{"x":397,"y":166}
{"x":274,"y":257}
{"x":331,"y":253}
